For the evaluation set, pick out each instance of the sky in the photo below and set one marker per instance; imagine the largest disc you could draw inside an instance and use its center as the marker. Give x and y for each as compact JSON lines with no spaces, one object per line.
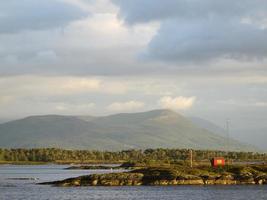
{"x":96,"y":57}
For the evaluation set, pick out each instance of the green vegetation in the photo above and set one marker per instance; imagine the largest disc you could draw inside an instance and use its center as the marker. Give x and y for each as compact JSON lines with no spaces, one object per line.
{"x":151,"y":157}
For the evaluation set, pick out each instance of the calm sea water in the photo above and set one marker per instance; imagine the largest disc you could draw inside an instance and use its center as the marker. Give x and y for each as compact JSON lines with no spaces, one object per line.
{"x":13,"y":189}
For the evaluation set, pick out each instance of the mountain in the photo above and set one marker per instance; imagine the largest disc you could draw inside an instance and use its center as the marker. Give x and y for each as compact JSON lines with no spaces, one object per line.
{"x":203,"y":123}
{"x":256,"y":136}
{"x":152,"y":129}
{"x":256,"y":139}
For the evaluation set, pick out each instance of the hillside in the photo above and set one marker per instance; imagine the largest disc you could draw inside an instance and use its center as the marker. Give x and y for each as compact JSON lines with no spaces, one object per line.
{"x":209,"y":126}
{"x":153,"y":129}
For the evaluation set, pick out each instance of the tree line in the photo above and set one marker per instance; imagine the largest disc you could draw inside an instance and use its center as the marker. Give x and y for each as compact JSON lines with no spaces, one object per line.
{"x":166,"y":155}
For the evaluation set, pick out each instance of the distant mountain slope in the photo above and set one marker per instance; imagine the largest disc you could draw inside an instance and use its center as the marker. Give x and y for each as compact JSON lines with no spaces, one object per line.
{"x":153,"y":129}
{"x":209,"y":126}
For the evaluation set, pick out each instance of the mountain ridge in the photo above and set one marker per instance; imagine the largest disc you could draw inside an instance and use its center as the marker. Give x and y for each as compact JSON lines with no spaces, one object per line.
{"x":151,"y":129}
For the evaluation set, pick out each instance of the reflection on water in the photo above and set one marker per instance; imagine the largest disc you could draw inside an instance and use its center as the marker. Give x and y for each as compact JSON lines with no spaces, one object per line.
{"x":19,"y":182}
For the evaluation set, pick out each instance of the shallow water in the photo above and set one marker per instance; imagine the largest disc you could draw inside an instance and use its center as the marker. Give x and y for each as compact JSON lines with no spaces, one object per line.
{"x":13,"y":188}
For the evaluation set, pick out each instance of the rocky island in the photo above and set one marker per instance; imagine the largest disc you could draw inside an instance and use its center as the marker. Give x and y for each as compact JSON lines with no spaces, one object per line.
{"x":173,"y":175}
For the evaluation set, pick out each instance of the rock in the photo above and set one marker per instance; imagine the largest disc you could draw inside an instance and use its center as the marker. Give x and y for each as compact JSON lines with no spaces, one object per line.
{"x":94,"y":182}
{"x":189,"y":180}
{"x":208,"y":180}
{"x":77,"y":183}
{"x":170,"y":176}
{"x":261,"y":179}
{"x":225,"y":180}
{"x":245,"y":178}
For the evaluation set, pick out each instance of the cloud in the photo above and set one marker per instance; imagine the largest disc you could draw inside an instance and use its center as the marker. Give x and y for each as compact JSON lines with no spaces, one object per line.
{"x":5,"y":100}
{"x":125,"y":106}
{"x":177,"y":103}
{"x":136,"y":11}
{"x":242,"y":103}
{"x":16,"y":16}
{"x":11,"y":59}
{"x":47,"y":57}
{"x":261,"y":104}
{"x":195,"y":31}
{"x":30,"y":86}
{"x":67,"y":108}
{"x":103,"y":45}
{"x":113,"y":87}
{"x":207,"y":41}
{"x":96,"y":45}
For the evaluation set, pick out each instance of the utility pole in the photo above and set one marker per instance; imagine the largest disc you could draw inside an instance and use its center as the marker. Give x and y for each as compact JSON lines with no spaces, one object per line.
{"x":191,"y":157}
{"x":228,"y":139}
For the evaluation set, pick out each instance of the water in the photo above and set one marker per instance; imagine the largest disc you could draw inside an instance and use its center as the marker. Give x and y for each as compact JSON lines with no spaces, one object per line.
{"x":12,"y":189}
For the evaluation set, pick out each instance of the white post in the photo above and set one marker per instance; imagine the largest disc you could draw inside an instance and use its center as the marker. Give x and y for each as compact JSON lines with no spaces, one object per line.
{"x":191,"y":157}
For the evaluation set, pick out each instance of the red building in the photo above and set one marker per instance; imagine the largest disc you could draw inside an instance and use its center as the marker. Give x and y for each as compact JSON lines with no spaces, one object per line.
{"x":217,"y":162}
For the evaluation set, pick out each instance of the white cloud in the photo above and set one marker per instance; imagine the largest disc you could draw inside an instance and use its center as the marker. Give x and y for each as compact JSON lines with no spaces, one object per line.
{"x":113,"y":87}
{"x":261,"y":104}
{"x":5,"y":100}
{"x":177,"y":103}
{"x":67,"y":108}
{"x":24,"y":86}
{"x":126,"y":106}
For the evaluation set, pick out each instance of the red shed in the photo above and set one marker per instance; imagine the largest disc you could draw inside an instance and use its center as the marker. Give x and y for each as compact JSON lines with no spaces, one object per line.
{"x":217,"y":161}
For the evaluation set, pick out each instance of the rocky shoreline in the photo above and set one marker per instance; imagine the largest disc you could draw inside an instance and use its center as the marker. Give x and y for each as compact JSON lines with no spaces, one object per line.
{"x":123,"y":166}
{"x":172,"y":176}
{"x":94,"y":167}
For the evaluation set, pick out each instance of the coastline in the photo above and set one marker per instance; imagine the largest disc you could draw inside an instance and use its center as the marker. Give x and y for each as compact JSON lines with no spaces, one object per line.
{"x":58,"y":163}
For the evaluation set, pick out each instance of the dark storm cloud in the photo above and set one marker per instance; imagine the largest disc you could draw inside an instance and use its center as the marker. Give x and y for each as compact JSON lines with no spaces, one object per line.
{"x":16,"y":16}
{"x":193,"y":30}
